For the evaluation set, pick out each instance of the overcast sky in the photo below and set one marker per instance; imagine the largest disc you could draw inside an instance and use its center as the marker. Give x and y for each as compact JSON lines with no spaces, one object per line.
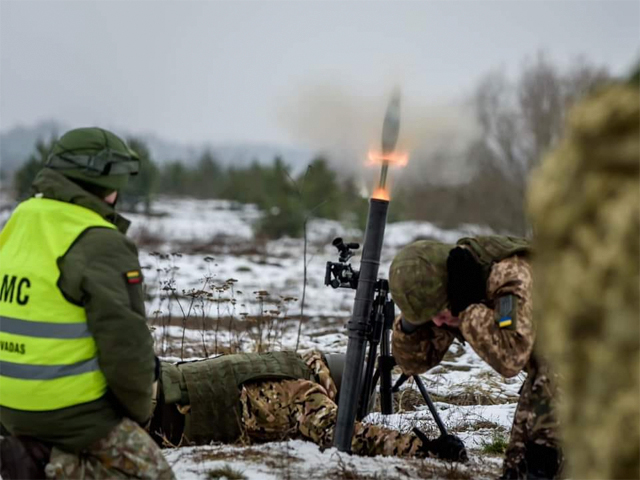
{"x":221,"y":71}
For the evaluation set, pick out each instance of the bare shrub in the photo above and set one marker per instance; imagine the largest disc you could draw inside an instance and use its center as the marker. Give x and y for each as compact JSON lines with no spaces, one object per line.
{"x":519,"y":120}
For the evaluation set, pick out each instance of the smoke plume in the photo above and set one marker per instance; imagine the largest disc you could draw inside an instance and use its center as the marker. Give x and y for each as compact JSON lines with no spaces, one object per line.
{"x":344,"y":125}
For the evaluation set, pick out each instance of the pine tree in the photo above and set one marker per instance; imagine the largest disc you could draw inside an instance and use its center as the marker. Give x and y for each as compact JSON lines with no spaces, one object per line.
{"x":24,"y":176}
{"x":141,"y":187}
{"x":207,"y":178}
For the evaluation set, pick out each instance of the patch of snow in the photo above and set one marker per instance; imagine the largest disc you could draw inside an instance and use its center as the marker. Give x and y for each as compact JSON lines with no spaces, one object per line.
{"x":300,"y":459}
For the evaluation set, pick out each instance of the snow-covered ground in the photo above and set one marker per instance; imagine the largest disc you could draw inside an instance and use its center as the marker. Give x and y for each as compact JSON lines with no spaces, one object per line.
{"x":209,"y":245}
{"x":212,"y":288}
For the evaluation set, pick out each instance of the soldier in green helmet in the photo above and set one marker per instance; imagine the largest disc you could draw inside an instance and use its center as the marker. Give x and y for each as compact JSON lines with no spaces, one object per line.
{"x":260,"y":397}
{"x":479,"y":291}
{"x":77,"y":365}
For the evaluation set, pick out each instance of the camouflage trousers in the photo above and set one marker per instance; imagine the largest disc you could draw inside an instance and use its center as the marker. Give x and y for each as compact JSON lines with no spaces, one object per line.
{"x":534,"y":447}
{"x":127,"y":452}
{"x":303,"y":409}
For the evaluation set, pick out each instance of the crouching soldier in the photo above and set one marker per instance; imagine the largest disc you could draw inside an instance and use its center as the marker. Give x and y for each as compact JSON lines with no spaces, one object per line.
{"x":479,"y":291}
{"x":253,"y":398}
{"x":76,"y":357}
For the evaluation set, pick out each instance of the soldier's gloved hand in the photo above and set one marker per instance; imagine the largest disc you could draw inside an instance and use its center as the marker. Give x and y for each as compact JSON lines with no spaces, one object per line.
{"x":466,"y":284}
{"x":410,"y":349}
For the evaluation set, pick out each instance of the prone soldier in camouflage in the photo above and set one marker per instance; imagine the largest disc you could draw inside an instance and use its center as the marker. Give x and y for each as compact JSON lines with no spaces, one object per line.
{"x":479,"y":291}
{"x":253,"y":398}
{"x":77,"y":364}
{"x":584,"y":202}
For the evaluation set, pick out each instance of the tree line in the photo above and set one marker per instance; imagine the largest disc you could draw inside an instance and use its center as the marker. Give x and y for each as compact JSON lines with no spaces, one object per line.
{"x":518,"y":121}
{"x":287,"y":201}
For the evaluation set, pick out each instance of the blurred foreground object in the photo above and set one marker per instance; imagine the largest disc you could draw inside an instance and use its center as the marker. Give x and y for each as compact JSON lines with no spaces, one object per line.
{"x":584,"y":203}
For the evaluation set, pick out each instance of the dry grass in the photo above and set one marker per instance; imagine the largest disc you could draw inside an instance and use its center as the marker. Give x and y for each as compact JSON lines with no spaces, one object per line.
{"x":475,"y":425}
{"x":472,"y":397}
{"x":407,"y":400}
{"x":250,"y":454}
{"x":226,"y":473}
{"x":497,"y":445}
{"x":346,"y":471}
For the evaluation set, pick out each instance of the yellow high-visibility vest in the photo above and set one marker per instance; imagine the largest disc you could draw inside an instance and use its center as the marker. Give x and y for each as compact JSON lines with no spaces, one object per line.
{"x":48,"y":358}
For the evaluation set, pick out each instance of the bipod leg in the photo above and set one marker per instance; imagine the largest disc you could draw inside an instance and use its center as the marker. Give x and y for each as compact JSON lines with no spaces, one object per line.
{"x":432,"y":407}
{"x":401,"y":380}
{"x":446,"y":446}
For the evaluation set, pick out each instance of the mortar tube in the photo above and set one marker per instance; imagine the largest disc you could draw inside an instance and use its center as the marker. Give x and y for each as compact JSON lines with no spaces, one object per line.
{"x":383,"y":175}
{"x":359,"y":323}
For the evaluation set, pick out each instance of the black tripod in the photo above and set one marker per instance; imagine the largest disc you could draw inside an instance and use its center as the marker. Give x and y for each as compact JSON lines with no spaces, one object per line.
{"x":378,"y":336}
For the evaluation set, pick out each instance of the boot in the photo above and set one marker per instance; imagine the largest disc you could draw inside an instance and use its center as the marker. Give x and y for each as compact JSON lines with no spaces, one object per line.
{"x":543,"y":462}
{"x":23,"y":458}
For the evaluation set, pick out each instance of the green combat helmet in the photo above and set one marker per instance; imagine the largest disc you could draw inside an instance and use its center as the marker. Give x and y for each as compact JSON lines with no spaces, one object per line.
{"x":94,"y":157}
{"x":418,"y":280}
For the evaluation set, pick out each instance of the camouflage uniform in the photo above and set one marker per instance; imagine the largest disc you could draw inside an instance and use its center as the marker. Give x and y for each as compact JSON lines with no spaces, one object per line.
{"x":126,"y":452}
{"x":302,"y":408}
{"x":274,"y":410}
{"x":508,"y":350}
{"x":584,"y":202}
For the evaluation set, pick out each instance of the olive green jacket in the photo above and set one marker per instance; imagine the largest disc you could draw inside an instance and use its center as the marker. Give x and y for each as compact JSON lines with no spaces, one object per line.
{"x":92,"y":274}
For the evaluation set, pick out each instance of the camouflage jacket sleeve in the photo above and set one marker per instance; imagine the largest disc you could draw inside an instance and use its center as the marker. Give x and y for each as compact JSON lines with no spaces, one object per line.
{"x":421,"y":350}
{"x":315,"y":361}
{"x":508,"y":348}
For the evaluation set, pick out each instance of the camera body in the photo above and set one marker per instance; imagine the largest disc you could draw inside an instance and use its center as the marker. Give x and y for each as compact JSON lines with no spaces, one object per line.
{"x":341,"y":274}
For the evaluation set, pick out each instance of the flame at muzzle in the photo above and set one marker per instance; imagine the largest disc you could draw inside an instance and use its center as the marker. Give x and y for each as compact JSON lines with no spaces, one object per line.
{"x":396,"y":159}
{"x":388,"y":155}
{"x":393,"y":159}
{"x":381,"y":194}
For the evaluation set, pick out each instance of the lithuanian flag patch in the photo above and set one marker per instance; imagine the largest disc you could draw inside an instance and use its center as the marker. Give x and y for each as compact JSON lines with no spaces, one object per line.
{"x":134,"y":276}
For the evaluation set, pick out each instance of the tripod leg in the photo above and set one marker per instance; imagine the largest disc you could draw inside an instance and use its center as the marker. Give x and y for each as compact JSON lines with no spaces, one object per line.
{"x":386,"y":396}
{"x":432,"y":407}
{"x":368,"y":384}
{"x":386,"y":361}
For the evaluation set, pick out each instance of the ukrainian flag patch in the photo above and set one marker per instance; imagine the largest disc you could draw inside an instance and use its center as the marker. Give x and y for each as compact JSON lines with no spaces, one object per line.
{"x":507,"y":312}
{"x":505,"y":322}
{"x":134,"y":276}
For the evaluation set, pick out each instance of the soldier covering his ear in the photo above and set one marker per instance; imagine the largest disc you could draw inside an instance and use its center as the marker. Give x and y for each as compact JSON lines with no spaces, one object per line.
{"x":479,"y":291}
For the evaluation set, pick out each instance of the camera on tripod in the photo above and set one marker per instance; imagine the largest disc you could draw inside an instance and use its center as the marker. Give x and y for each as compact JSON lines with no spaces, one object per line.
{"x":341,"y":274}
